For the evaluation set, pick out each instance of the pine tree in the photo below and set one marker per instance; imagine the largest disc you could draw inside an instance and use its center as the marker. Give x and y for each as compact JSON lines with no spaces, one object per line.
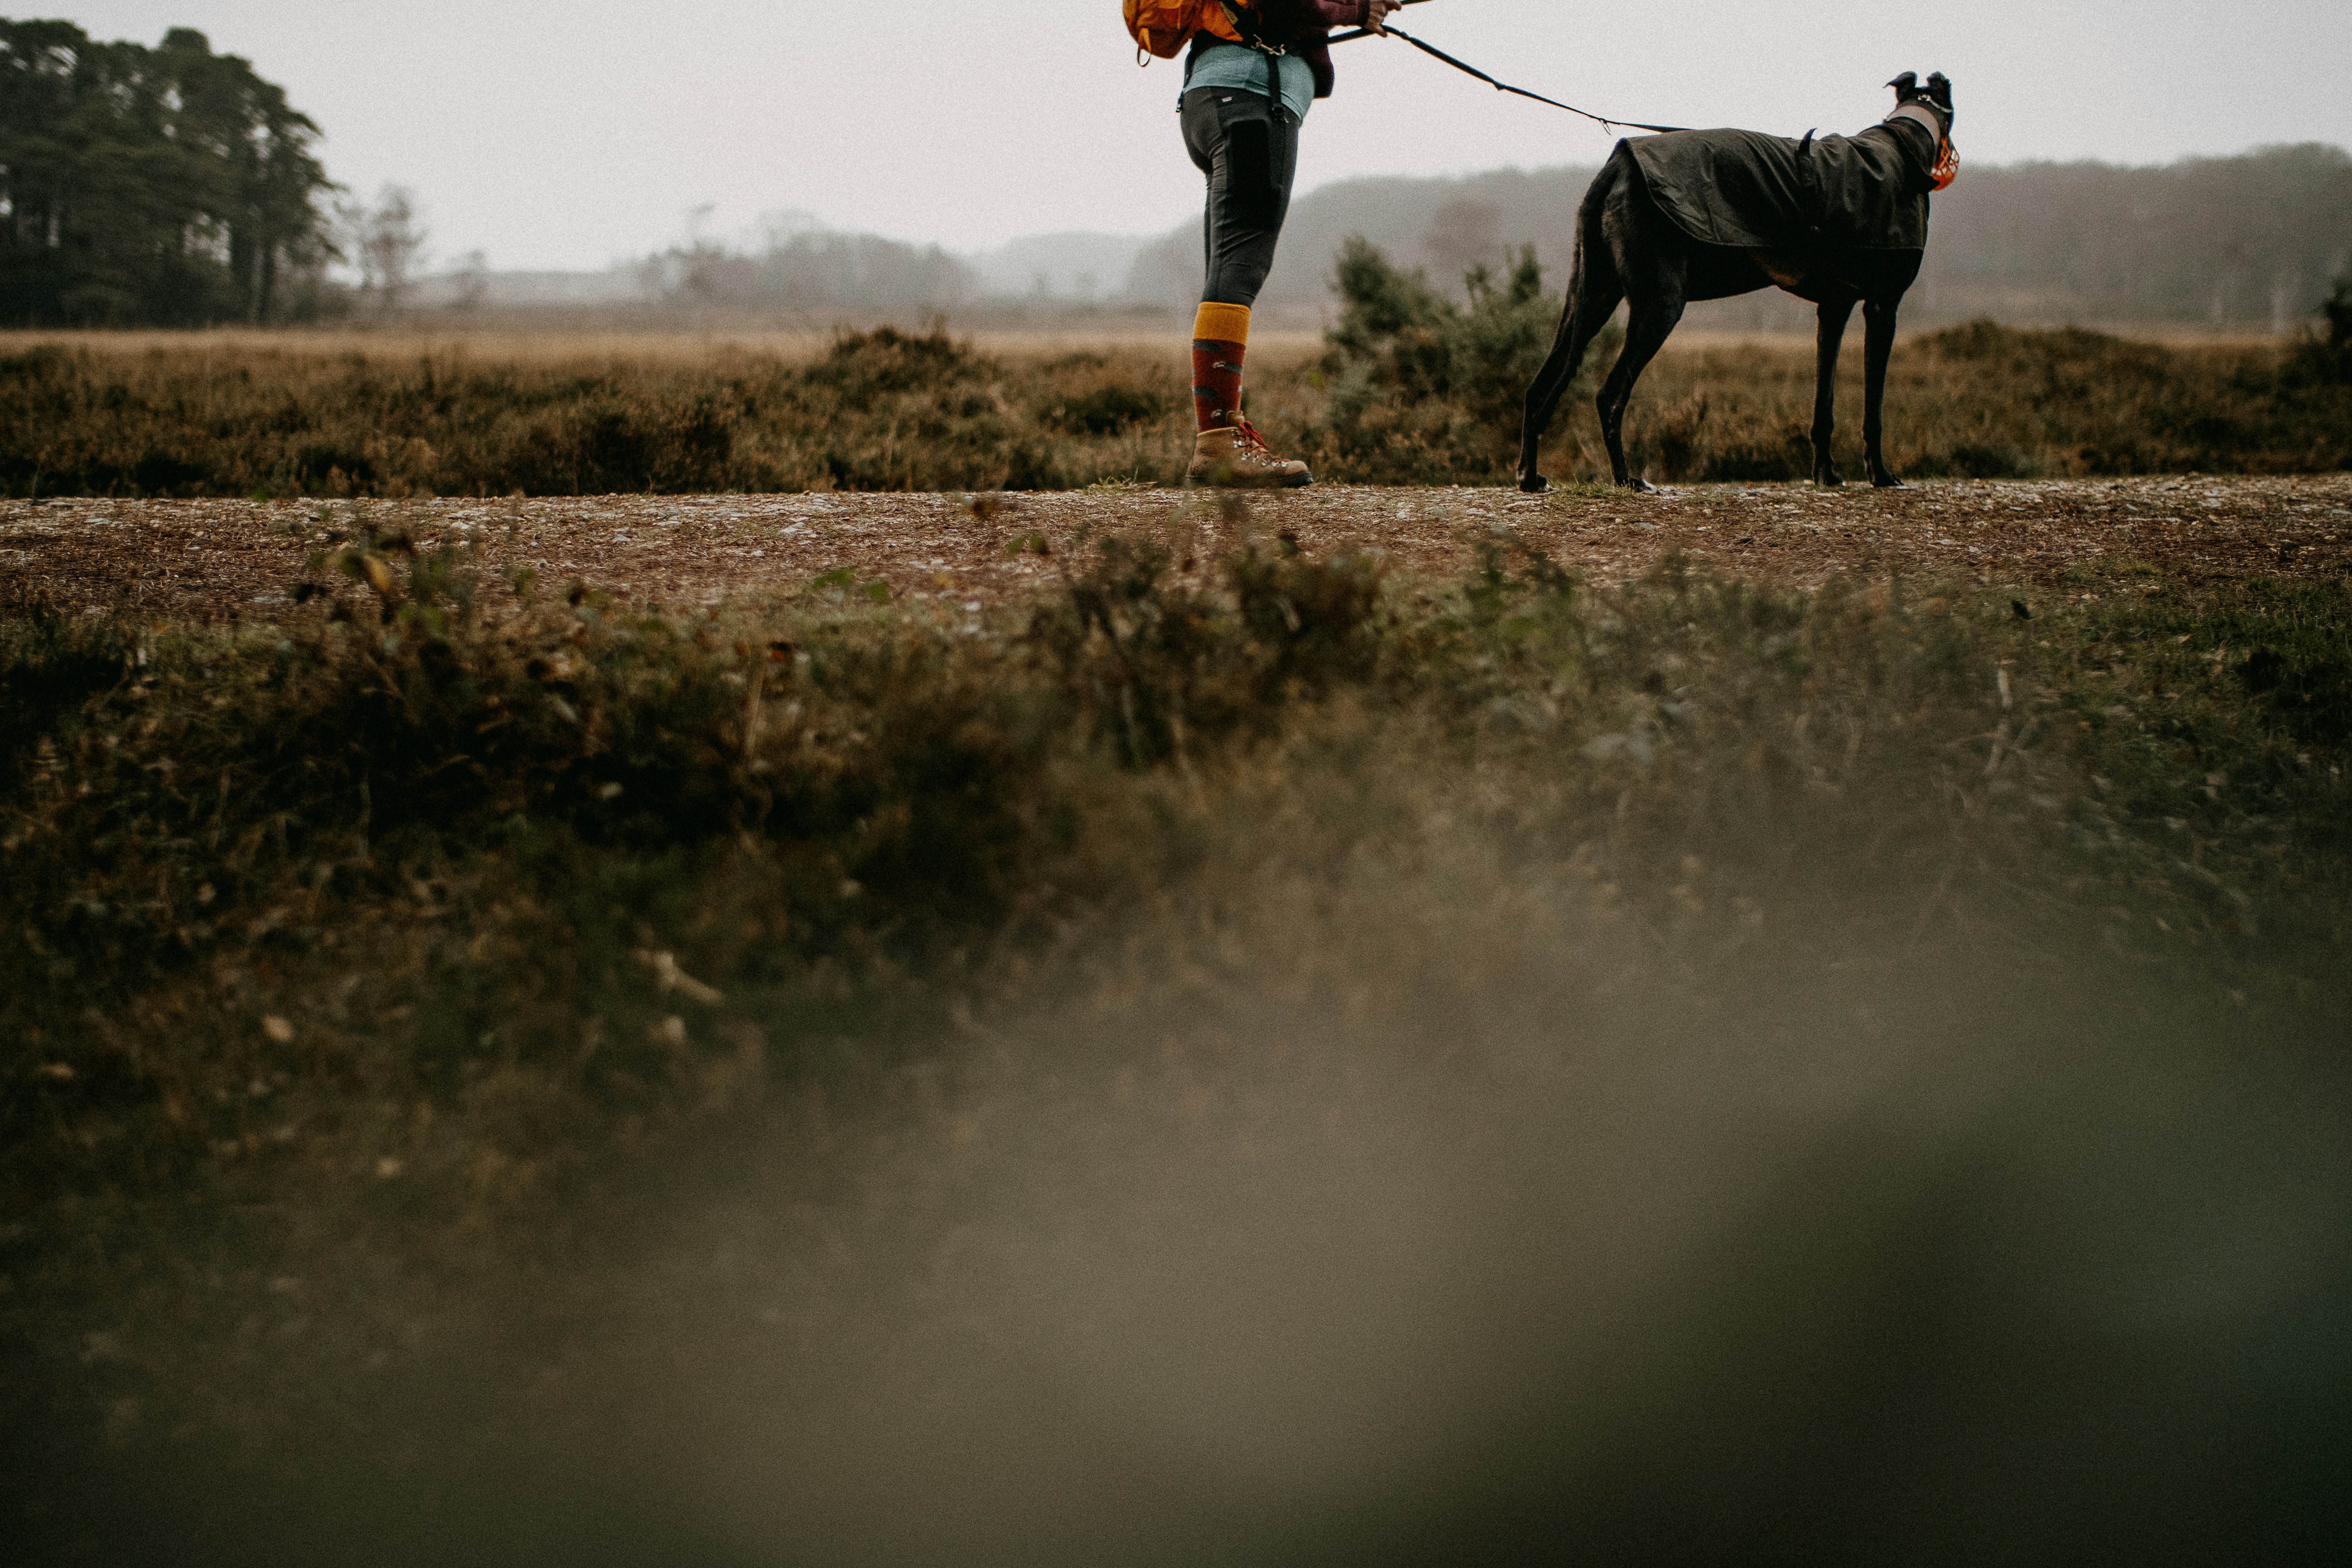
{"x":167,"y":186}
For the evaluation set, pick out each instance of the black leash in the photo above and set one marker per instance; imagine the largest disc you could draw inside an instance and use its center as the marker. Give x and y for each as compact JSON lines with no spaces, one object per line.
{"x":1394,"y":31}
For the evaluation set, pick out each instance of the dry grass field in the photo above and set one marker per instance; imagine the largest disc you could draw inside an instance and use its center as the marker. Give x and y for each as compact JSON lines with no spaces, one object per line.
{"x":1428,"y":397}
{"x":672,"y":343}
{"x":668,"y":343}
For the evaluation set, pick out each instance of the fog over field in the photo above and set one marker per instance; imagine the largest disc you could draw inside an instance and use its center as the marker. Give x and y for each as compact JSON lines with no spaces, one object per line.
{"x":563,"y":135}
{"x":797,"y":157}
{"x":2254,"y":242}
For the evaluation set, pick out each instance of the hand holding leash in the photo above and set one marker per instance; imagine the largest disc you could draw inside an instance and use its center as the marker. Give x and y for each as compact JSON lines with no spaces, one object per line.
{"x":1375,"y":15}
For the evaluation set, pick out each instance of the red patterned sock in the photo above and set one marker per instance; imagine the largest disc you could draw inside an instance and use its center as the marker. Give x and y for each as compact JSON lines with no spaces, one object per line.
{"x":1219,"y":338}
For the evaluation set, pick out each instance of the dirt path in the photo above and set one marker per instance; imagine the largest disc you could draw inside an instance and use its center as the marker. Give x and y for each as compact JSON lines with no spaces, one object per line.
{"x":218,"y":559}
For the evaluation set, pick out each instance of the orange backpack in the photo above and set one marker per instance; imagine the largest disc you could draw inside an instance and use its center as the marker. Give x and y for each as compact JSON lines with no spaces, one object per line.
{"x":1163,"y":28}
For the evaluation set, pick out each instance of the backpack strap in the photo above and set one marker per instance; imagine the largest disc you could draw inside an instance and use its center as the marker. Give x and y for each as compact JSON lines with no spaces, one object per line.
{"x":1245,"y":19}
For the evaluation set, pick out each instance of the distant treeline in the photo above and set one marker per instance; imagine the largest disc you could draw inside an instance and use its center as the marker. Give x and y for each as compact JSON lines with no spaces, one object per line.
{"x":812,"y":270}
{"x":2254,"y":238}
{"x":2251,"y":240}
{"x":165,"y":186}
{"x":803,"y":268}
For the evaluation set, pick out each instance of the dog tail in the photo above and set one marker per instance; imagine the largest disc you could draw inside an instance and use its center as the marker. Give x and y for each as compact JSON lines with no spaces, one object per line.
{"x":1591,"y":233}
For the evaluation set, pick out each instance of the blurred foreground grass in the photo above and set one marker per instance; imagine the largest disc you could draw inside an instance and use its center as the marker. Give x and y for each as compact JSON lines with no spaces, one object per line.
{"x":416,"y":941}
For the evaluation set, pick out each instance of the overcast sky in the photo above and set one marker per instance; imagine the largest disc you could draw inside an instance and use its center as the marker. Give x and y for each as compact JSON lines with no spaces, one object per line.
{"x":555,"y":133}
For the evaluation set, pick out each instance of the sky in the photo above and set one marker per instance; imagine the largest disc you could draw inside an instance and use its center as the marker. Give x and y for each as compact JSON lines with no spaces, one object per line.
{"x":572,"y":134}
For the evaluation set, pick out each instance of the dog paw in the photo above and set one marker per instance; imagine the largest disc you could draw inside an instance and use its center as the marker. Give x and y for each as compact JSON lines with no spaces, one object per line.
{"x":1829,"y":478}
{"x":1534,"y":484}
{"x":1888,"y":482}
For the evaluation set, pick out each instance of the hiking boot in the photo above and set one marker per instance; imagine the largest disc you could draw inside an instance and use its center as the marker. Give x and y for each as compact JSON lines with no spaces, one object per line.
{"x":1235,"y":458}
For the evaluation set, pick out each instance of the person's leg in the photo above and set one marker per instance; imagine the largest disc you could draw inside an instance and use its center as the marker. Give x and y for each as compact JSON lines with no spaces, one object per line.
{"x":1248,"y":160}
{"x":1220,"y":340}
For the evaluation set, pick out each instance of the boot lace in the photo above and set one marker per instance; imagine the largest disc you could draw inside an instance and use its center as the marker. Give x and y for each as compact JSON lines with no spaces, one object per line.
{"x":1253,"y":440}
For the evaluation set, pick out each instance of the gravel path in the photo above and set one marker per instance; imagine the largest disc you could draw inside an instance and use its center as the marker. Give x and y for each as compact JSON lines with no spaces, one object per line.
{"x":224,"y":559}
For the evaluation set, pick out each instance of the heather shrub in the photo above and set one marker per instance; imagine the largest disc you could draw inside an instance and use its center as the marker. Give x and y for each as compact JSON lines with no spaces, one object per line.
{"x":1412,"y":389}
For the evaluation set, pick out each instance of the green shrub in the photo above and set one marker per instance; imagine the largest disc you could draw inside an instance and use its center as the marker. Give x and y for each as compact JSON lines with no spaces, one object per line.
{"x":1425,"y":392}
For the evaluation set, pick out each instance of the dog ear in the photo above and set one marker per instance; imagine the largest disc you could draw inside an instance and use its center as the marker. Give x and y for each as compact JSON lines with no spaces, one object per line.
{"x":1939,"y":88}
{"x":1909,"y":82}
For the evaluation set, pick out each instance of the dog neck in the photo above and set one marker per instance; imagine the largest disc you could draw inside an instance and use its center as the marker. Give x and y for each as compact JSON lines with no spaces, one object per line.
{"x":1925,"y":115}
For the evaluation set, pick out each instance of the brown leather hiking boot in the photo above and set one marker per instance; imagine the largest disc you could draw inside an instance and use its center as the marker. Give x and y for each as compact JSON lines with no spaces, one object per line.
{"x":1235,"y":458}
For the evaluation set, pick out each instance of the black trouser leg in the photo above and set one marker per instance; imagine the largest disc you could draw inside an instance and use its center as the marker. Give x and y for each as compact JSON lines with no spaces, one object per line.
{"x":1250,"y":161}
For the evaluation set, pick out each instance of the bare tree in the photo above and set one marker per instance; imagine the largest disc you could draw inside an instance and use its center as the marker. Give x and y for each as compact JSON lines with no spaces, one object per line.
{"x":388,"y":242}
{"x":471,"y":280}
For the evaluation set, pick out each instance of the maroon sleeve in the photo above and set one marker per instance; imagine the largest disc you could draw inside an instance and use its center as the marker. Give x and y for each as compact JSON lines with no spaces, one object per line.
{"x":1305,"y":16}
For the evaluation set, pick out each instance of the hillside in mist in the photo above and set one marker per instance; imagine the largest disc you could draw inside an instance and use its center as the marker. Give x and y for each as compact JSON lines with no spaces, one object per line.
{"x":2249,"y":242}
{"x":2243,"y":241}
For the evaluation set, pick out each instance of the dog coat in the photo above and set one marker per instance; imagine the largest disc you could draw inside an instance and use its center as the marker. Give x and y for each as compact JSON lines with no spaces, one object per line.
{"x":1773,"y":192}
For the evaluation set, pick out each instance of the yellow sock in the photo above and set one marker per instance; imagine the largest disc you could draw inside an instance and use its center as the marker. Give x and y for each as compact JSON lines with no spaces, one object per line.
{"x":1221,"y":323}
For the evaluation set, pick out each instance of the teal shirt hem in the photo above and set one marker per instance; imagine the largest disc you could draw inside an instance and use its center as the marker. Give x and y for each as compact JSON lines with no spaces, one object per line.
{"x":1238,"y":66}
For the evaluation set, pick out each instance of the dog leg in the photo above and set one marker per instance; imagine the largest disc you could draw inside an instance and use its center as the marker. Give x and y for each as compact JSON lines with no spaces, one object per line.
{"x":1877,"y":343}
{"x":1544,"y":392}
{"x":1589,"y":309}
{"x":1594,"y":289}
{"x":1649,"y":324}
{"x":1834,"y":315}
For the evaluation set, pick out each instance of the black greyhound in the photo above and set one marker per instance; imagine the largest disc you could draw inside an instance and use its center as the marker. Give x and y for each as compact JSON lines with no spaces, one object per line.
{"x":1706,"y":215}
